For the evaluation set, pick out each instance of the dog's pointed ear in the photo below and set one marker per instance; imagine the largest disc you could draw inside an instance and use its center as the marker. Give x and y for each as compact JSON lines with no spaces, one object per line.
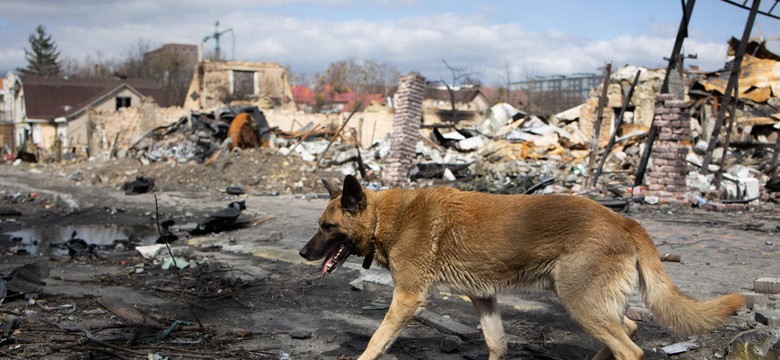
{"x":352,"y":199}
{"x":332,"y":190}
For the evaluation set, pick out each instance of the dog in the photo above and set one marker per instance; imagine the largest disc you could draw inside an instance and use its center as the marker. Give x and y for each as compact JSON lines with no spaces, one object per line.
{"x":479,"y":245}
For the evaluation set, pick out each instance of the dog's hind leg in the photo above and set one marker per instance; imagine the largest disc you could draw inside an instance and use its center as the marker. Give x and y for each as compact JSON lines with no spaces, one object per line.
{"x":402,"y":310}
{"x":595,"y":295}
{"x":607,"y":327}
{"x":492,"y":327}
{"x":629,"y":326}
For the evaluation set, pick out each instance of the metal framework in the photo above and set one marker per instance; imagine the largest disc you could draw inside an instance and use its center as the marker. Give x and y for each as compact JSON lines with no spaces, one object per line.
{"x":768,"y":13}
{"x":754,"y":9}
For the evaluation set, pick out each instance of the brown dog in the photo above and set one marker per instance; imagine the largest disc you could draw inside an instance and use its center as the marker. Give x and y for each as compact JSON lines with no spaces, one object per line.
{"x":480,"y":244}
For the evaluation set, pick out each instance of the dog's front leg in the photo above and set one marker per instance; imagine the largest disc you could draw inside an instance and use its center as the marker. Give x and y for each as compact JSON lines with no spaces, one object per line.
{"x":402,"y":309}
{"x":492,"y":327}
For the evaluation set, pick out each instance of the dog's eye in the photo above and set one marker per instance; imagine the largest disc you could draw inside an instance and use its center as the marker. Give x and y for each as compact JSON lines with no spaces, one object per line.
{"x":327,"y":226}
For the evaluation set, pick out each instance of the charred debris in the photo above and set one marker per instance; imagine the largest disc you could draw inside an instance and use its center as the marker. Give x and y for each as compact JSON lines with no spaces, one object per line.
{"x":570,"y":152}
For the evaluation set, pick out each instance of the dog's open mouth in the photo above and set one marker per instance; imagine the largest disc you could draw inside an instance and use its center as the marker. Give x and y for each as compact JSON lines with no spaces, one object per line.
{"x":336,"y":258}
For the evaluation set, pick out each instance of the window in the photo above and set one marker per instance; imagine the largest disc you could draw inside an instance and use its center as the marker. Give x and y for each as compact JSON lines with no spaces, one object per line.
{"x":243,"y":84}
{"x":122,"y":102}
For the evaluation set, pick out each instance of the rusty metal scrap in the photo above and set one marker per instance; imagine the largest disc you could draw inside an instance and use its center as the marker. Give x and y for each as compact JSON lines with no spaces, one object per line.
{"x":241,"y":132}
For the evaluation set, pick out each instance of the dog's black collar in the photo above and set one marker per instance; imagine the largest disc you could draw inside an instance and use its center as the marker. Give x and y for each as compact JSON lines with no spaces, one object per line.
{"x":370,"y":256}
{"x":368,"y":259}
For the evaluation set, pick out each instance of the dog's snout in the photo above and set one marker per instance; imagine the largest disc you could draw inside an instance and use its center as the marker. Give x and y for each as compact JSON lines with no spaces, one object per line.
{"x":304,"y":253}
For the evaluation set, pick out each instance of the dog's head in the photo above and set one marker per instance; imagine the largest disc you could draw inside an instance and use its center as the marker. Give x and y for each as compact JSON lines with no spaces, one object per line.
{"x":346,"y":228}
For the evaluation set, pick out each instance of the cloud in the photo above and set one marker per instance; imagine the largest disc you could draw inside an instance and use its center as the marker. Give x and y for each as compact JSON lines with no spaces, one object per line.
{"x":275,"y":31}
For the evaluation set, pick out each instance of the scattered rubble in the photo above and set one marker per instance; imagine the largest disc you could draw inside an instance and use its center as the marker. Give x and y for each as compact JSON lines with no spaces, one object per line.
{"x":140,"y":185}
{"x":26,"y":280}
{"x":232,"y":155}
{"x":511,"y":151}
{"x":758,"y":344}
{"x":679,"y":348}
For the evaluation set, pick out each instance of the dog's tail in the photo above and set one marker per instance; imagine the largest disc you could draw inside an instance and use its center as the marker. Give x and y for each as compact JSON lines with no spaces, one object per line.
{"x":671,"y":307}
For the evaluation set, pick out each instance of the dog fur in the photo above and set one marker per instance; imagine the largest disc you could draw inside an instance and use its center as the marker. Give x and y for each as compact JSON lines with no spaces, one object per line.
{"x":479,"y":245}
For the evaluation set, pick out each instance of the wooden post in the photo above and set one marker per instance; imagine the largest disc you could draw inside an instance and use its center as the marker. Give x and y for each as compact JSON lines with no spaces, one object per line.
{"x":338,"y":132}
{"x":773,"y":163}
{"x":112,"y":154}
{"x":58,"y":149}
{"x":727,"y":140}
{"x":594,"y":138}
{"x":618,"y":123}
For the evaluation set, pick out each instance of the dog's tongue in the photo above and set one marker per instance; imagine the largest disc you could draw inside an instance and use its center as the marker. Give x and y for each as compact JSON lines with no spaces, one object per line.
{"x":328,"y":261}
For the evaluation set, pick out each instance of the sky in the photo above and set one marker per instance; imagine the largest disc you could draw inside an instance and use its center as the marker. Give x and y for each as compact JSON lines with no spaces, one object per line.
{"x":522,"y":38}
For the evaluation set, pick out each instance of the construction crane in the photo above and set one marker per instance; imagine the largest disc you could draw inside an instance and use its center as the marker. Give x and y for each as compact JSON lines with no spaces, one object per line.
{"x":216,"y":36}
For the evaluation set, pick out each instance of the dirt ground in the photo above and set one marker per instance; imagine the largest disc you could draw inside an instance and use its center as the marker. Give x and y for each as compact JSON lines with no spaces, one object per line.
{"x":247,"y":294}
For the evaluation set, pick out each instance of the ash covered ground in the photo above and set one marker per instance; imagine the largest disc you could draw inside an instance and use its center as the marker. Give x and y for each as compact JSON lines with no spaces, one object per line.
{"x":245,"y":293}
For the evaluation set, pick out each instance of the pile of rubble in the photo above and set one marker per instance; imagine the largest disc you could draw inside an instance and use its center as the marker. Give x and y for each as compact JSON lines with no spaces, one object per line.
{"x":515,"y":152}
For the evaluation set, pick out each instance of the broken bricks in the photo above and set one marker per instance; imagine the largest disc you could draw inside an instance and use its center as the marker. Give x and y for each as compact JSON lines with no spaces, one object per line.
{"x":764,"y":301}
{"x":767,"y":285}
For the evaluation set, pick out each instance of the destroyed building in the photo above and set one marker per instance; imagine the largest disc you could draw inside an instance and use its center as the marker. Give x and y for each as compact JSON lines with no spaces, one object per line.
{"x":239,"y":83}
{"x":463,"y":105}
{"x":466,"y":139}
{"x":45,"y":111}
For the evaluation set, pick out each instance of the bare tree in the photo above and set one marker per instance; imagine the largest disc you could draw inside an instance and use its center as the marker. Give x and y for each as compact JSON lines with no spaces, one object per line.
{"x":380,"y":77}
{"x":505,"y":91}
{"x":95,"y":66}
{"x":172,"y":70}
{"x":460,"y":76}
{"x":133,"y":66}
{"x":360,"y":78}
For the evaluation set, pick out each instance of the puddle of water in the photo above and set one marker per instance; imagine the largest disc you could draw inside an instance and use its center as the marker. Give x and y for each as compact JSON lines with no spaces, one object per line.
{"x":50,"y":240}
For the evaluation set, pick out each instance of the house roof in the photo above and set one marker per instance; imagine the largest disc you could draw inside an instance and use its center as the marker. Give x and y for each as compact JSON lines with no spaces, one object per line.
{"x":461,"y":95}
{"x":302,"y":94}
{"x":365,"y":100}
{"x":48,"y":98}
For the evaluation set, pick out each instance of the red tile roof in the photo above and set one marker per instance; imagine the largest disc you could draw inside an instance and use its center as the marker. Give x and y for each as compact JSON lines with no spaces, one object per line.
{"x":303,"y":95}
{"x":365,"y":100}
{"x":48,"y":98}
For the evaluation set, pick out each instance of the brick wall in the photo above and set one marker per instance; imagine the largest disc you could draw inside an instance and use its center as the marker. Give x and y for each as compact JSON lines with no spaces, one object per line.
{"x":667,"y":173}
{"x":406,"y":129}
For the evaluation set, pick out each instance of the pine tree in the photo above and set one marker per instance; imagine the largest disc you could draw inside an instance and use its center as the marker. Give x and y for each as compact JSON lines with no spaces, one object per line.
{"x":43,"y":57}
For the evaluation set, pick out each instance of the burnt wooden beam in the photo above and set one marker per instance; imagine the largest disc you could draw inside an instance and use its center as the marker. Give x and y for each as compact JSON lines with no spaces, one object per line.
{"x":618,"y":123}
{"x":594,"y":139}
{"x":682,"y":33}
{"x":731,"y":87}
